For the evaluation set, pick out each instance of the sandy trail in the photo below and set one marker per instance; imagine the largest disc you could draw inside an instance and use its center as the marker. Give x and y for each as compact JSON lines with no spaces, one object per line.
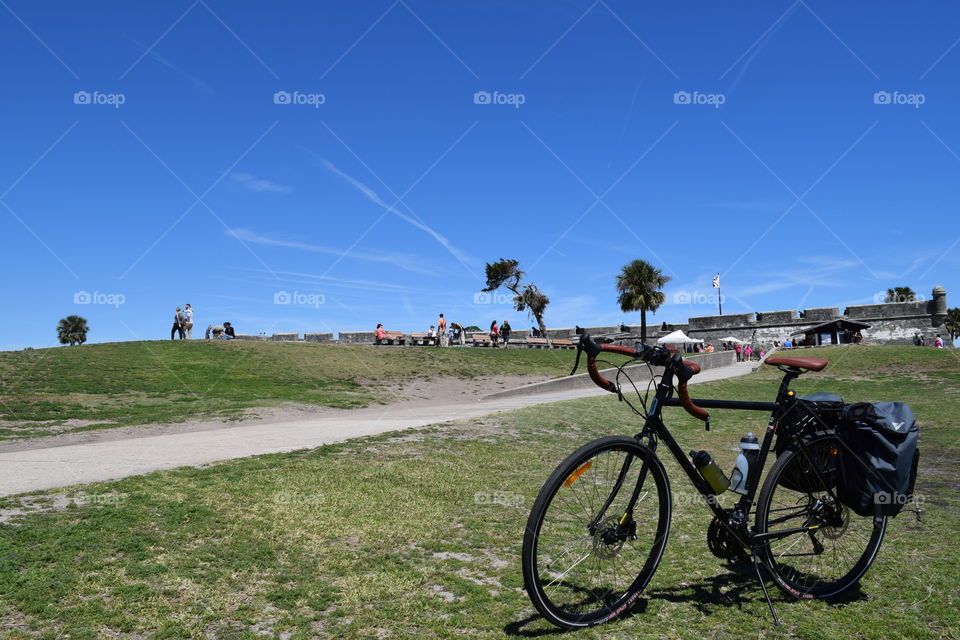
{"x":58,"y":461}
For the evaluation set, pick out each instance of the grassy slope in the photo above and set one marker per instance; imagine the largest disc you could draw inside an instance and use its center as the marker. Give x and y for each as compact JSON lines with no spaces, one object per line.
{"x":149,"y":382}
{"x":417,"y":534}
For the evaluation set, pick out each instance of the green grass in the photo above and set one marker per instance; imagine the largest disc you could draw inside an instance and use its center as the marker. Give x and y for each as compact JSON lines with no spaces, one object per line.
{"x":133,"y":383}
{"x":417,"y":534}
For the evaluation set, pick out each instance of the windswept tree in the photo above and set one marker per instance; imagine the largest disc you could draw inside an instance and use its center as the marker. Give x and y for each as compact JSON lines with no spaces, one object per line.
{"x":900,"y":294}
{"x":526,"y":297}
{"x":952,"y":323}
{"x":72,"y":330}
{"x":639,"y":287}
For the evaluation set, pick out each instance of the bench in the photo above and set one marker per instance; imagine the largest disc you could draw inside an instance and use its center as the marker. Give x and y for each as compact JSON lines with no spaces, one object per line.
{"x":564,"y":344}
{"x":423,"y":338}
{"x":482,"y":340}
{"x":536,"y":343}
{"x":392,"y":337}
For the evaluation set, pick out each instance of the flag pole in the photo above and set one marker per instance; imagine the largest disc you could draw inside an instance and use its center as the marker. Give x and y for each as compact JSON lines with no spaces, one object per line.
{"x":716,"y":285}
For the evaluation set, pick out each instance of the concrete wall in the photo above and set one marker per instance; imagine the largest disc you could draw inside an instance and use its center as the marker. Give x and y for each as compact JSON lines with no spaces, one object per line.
{"x":360,"y":337}
{"x":773,"y":317}
{"x":318,"y":337}
{"x":820,"y":314}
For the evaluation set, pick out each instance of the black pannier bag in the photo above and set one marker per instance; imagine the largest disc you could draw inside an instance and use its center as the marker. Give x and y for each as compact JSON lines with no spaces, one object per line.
{"x":807,"y":416}
{"x":878,"y":462}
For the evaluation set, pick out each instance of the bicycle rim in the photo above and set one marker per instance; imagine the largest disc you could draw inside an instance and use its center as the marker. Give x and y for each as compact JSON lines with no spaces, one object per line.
{"x":582,"y":568}
{"x":797,"y":493}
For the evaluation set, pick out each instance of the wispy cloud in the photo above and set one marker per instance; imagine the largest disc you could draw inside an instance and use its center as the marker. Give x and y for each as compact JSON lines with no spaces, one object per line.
{"x":259,"y":185}
{"x":373,"y":197}
{"x":407,"y":262}
{"x":152,"y":53}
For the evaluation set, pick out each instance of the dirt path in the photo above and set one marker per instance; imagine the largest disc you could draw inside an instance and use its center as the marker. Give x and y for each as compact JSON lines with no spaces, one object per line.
{"x":49,"y":463}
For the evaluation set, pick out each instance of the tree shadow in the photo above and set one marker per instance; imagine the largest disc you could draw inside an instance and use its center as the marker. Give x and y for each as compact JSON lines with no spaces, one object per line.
{"x":733,"y":588}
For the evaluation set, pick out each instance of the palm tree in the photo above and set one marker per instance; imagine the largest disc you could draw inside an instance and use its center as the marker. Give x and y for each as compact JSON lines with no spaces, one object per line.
{"x":952,"y":323}
{"x":526,"y":297}
{"x":900,"y":294}
{"x":639,"y":285}
{"x":72,"y":330}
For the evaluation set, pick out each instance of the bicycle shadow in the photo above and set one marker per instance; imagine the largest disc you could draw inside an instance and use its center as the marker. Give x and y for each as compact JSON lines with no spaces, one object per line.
{"x":733,"y":588}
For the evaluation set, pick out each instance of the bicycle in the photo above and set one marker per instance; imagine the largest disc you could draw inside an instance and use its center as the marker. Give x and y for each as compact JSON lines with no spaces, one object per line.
{"x":599,"y":526}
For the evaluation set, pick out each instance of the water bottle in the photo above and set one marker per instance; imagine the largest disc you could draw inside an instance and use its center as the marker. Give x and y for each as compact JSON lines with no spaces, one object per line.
{"x":749,"y":450}
{"x":710,"y":471}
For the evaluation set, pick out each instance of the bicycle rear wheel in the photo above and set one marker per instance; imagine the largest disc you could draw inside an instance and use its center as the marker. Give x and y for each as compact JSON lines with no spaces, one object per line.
{"x":799,"y":492}
{"x":586,"y":558}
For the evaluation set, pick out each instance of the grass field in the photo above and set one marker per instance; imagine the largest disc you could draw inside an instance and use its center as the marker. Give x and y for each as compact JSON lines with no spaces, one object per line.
{"x":106,"y":385}
{"x":417,"y":534}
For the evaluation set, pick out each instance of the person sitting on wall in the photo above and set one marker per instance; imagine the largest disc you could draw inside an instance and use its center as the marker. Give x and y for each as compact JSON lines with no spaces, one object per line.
{"x":228,"y":332}
{"x":380,"y":334}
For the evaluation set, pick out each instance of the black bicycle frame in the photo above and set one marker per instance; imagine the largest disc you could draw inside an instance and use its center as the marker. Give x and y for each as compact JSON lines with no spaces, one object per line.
{"x":655,"y":426}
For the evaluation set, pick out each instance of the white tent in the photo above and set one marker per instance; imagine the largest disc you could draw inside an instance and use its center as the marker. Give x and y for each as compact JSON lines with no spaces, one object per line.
{"x":730,"y":339}
{"x":677,"y":337}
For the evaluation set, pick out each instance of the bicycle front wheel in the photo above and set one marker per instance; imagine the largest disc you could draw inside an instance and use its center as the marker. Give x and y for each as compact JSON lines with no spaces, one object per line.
{"x":799,"y":493}
{"x":587,"y":555}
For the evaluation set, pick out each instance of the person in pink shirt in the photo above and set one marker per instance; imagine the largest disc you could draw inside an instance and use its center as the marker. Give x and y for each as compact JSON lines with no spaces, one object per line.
{"x":748,"y":352}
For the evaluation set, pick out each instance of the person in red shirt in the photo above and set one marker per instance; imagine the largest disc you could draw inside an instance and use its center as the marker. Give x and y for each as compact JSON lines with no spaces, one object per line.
{"x":494,"y":333}
{"x":381,"y":334}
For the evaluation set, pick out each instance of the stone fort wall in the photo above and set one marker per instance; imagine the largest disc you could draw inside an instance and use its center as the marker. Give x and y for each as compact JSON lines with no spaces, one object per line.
{"x":890,"y":323}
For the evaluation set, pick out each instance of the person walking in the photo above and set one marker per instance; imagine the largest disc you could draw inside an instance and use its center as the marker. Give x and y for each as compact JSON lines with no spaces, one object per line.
{"x":748,"y":353}
{"x":177,"y":324}
{"x":188,"y":321}
{"x":505,"y":331}
{"x":494,"y":334}
{"x":443,"y":339}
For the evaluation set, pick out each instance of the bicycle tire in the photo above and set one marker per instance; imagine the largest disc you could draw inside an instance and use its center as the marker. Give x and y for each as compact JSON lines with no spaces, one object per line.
{"x":834,"y":557}
{"x":568,"y":502}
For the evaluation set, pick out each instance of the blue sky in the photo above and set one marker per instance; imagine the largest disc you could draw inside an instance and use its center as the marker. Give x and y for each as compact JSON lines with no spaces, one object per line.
{"x":368,"y":158}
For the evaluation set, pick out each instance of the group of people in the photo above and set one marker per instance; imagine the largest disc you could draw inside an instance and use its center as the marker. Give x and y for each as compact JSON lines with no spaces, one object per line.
{"x":920,"y":341}
{"x":745,"y":352}
{"x":454,"y":333}
{"x":183,"y":323}
{"x":183,"y":327}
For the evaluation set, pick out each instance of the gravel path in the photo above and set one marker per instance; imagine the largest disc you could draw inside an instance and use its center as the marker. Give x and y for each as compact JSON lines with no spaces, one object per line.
{"x":48,"y":464}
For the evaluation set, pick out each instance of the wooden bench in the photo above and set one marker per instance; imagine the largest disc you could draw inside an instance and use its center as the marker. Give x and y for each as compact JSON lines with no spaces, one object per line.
{"x":423,"y":338}
{"x":564,"y":344}
{"x":482,"y":340}
{"x":536,"y":343}
{"x":391,"y":337}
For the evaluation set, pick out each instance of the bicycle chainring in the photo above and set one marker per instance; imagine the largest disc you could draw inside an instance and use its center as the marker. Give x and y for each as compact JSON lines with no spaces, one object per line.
{"x":721,"y":543}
